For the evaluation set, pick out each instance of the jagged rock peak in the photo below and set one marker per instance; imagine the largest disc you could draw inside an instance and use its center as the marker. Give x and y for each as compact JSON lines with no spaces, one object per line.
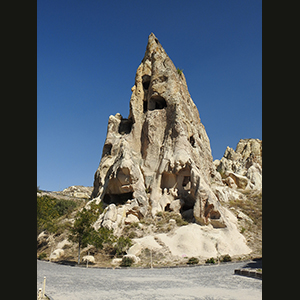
{"x":242,"y":167}
{"x":159,"y":158}
{"x":153,"y":45}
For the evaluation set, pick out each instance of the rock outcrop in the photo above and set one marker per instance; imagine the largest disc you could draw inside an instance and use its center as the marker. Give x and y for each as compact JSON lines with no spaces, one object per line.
{"x":159,"y":160}
{"x":242,"y":168}
{"x":157,"y":183}
{"x":161,"y":152}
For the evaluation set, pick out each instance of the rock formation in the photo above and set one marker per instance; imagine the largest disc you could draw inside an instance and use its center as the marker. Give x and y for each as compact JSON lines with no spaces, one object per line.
{"x":158,"y":184}
{"x":159,"y":157}
{"x":242,"y":168}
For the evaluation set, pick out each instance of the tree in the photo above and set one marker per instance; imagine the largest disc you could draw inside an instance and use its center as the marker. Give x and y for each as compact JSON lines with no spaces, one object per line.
{"x":46,"y":214}
{"x":101,"y":237}
{"x":82,"y":229}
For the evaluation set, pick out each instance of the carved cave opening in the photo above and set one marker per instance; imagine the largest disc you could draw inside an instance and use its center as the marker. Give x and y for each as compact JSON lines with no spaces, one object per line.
{"x":182,"y":182}
{"x":145,"y":106}
{"x":192,"y":141}
{"x":146,"y":81}
{"x":117,"y":198}
{"x":157,"y":102}
{"x":106,"y":149}
{"x":125,"y":126}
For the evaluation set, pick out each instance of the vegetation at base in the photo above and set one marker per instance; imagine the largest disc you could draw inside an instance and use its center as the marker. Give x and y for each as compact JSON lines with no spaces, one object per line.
{"x":226,"y":258}
{"x":252,"y":206}
{"x":49,"y":210}
{"x":42,"y":256}
{"x":122,"y":244}
{"x":193,"y":261}
{"x":210,"y":261}
{"x":126,"y":262}
{"x":162,"y":220}
{"x":83,"y":233}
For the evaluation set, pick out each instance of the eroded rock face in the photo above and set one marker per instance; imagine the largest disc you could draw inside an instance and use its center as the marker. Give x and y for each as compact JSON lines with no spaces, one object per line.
{"x":161,"y":152}
{"x":242,"y":168}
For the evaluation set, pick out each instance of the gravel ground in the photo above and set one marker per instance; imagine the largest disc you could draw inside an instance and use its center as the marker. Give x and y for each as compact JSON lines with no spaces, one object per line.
{"x":201,"y":282}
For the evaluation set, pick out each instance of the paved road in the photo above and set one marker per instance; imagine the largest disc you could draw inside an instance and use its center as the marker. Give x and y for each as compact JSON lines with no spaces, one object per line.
{"x":201,"y":282}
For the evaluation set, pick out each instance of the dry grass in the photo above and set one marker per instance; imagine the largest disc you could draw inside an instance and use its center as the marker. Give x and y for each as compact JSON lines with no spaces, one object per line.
{"x":252,"y":207}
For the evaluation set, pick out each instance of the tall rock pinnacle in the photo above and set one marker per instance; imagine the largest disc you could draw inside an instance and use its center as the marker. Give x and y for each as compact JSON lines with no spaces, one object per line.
{"x":160,"y":155}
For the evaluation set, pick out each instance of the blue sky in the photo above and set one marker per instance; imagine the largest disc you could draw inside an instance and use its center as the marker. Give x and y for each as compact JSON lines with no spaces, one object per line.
{"x":87,"y":56}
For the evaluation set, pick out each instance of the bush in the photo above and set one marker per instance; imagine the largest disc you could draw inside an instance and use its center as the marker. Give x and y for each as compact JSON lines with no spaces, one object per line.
{"x":42,"y":256}
{"x":101,"y":237}
{"x":126,"y":262}
{"x":122,"y":245}
{"x":49,"y":210}
{"x":179,"y":71}
{"x":226,"y":258}
{"x":210,"y":261}
{"x":193,"y":261}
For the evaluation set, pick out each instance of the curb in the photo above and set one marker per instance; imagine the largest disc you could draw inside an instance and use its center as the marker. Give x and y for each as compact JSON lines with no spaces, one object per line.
{"x":248,"y":273}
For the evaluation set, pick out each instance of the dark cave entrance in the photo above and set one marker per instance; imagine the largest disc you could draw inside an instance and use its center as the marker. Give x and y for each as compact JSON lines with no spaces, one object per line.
{"x":146,"y":81}
{"x":117,"y":198}
{"x":125,"y":126}
{"x":106,"y":149}
{"x":157,"y":102}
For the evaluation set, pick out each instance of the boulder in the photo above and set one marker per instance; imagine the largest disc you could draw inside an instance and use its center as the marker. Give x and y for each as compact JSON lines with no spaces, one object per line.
{"x":239,"y":180}
{"x":131,"y":219}
{"x":89,"y":258}
{"x":57,"y":254}
{"x":176,"y":205}
{"x":135,"y":249}
{"x":116,"y":261}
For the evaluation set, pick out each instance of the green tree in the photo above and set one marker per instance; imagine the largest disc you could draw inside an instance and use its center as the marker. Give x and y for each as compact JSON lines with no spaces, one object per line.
{"x":46,"y":214}
{"x":82,"y":231}
{"x":101,"y":236}
{"x":122,"y":245}
{"x":82,"y":228}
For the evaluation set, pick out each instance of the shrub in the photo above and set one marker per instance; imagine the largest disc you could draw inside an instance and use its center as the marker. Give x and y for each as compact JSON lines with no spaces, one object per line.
{"x":179,"y":71}
{"x":210,"y":261}
{"x":49,"y":210}
{"x":122,"y":245}
{"x":101,"y":237}
{"x":193,"y":261}
{"x":126,"y":262}
{"x":226,"y":258}
{"x":42,"y":256}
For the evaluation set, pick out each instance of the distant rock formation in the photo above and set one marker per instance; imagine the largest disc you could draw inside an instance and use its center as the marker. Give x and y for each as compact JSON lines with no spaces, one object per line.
{"x":242,"y":168}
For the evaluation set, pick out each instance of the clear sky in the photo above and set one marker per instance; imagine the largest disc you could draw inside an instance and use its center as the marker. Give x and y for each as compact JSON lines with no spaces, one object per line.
{"x":87,"y":56}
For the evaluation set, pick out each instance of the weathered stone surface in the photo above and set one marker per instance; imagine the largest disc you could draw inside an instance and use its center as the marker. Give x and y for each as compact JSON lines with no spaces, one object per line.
{"x":159,"y":159}
{"x":135,"y":249}
{"x":162,"y":146}
{"x":131,"y":219}
{"x":242,"y":168}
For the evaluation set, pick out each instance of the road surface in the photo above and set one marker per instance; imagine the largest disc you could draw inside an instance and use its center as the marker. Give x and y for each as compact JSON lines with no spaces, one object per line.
{"x":201,"y":282}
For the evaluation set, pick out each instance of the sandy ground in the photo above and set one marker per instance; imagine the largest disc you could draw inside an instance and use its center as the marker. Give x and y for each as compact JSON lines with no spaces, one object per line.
{"x":201,"y":282}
